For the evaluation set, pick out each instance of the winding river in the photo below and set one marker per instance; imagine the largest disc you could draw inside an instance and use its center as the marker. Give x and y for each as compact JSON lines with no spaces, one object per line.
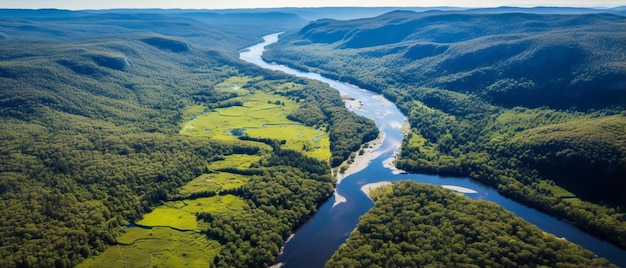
{"x":314,"y":243}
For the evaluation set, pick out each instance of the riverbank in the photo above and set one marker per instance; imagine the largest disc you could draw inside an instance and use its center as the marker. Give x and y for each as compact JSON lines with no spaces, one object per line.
{"x":460,"y":189}
{"x":389,"y":162}
{"x":367,"y":188}
{"x":316,"y":241}
{"x":361,"y":161}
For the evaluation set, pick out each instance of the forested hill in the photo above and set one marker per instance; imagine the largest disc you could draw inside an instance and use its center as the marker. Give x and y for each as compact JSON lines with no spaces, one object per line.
{"x":92,"y":108}
{"x":515,"y":59}
{"x":531,"y":103}
{"x":224,"y":32}
{"x":415,"y":225}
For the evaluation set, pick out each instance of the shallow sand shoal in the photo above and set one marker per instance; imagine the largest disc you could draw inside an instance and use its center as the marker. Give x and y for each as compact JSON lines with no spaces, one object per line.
{"x":361,"y":161}
{"x":367,"y":188}
{"x":459,"y":189}
{"x":339,"y":198}
{"x":388,"y":163}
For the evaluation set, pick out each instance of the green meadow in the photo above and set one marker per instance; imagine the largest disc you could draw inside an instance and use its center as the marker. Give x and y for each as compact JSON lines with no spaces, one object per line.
{"x":262,"y":114}
{"x":169,"y":217}
{"x":171,"y":237}
{"x":157,"y":247}
{"x":213,"y":182}
{"x":180,"y":215}
{"x":234,"y":84}
{"x":240,"y":161}
{"x":215,"y":204}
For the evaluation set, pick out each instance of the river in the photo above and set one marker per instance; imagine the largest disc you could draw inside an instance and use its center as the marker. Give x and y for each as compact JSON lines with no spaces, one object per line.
{"x":315,"y":242}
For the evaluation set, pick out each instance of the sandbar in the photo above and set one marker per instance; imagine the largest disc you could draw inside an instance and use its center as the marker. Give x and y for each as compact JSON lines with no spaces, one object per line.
{"x":361,"y":161}
{"x":459,"y":189}
{"x":367,"y":188}
{"x":338,"y":198}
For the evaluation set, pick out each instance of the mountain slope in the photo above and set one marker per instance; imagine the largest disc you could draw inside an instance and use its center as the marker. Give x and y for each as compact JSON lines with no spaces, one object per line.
{"x":508,"y":59}
{"x":91,"y":108}
{"x":515,"y":100}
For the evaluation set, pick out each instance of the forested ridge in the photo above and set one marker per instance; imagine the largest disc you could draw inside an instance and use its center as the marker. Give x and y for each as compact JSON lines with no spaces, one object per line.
{"x":414,"y":225}
{"x":530,"y":103}
{"x":91,"y":107}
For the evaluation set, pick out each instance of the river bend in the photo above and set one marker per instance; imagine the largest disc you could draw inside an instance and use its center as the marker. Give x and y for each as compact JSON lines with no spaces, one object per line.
{"x":315,"y":242}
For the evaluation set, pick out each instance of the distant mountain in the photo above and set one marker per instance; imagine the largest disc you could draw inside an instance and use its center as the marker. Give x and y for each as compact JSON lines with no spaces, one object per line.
{"x":243,"y":25}
{"x":266,"y":22}
{"x":531,"y":103}
{"x":462,"y":51}
{"x":79,"y":25}
{"x":351,"y":13}
{"x":37,"y":13}
{"x":542,"y":10}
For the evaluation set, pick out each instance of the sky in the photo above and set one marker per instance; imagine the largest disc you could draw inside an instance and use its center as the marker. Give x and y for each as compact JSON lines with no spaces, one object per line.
{"x":226,"y":4}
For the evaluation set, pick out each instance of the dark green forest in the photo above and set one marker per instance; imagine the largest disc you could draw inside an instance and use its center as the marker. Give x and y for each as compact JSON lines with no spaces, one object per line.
{"x":530,"y":103}
{"x":416,"y":225}
{"x":90,"y":114}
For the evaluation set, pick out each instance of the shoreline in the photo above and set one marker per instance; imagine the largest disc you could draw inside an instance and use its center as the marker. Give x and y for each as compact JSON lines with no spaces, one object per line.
{"x":361,"y":161}
{"x":338,"y":198}
{"x":459,"y":189}
{"x":367,"y":188}
{"x":389,"y":162}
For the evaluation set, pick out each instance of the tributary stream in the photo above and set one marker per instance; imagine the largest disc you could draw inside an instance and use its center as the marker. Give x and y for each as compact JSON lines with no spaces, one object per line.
{"x":315,"y":242}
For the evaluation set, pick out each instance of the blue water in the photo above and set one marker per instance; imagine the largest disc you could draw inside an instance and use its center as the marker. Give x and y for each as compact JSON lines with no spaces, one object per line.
{"x":315,"y":242}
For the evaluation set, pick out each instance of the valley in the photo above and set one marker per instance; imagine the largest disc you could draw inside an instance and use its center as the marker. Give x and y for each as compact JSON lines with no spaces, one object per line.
{"x":146,"y":138}
{"x":460,"y":128}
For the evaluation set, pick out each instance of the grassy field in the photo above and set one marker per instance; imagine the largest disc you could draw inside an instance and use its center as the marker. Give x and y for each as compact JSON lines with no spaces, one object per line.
{"x":215,"y":204}
{"x":234,"y":84}
{"x":214,"y":182}
{"x":160,"y":245}
{"x":157,"y":247}
{"x":258,"y":110}
{"x":169,"y":217}
{"x":241,"y":161}
{"x":263,"y":114}
{"x":180,"y":215}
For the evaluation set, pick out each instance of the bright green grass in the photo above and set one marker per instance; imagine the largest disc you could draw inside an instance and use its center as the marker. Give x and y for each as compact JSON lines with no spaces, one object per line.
{"x":170,"y":217}
{"x":133,"y":234}
{"x":234,"y":84}
{"x":215,"y":204}
{"x":311,"y":141}
{"x":261,"y":117}
{"x":193,"y":110}
{"x":255,"y":113}
{"x":214,"y":182}
{"x":157,"y":247}
{"x":556,"y":190}
{"x":241,"y":161}
{"x":119,"y":256}
{"x":166,"y":247}
{"x":417,"y":141}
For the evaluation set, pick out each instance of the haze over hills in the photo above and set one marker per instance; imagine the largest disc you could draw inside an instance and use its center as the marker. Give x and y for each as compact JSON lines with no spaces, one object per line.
{"x":468,"y":52}
{"x":521,"y":101}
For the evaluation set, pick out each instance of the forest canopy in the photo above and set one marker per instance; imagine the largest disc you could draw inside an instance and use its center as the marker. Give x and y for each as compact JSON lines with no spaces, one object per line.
{"x":91,"y":109}
{"x":415,"y":225}
{"x":532,"y":103}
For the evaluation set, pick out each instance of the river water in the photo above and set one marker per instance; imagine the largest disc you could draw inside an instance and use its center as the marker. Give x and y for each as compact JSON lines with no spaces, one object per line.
{"x":315,"y":242}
